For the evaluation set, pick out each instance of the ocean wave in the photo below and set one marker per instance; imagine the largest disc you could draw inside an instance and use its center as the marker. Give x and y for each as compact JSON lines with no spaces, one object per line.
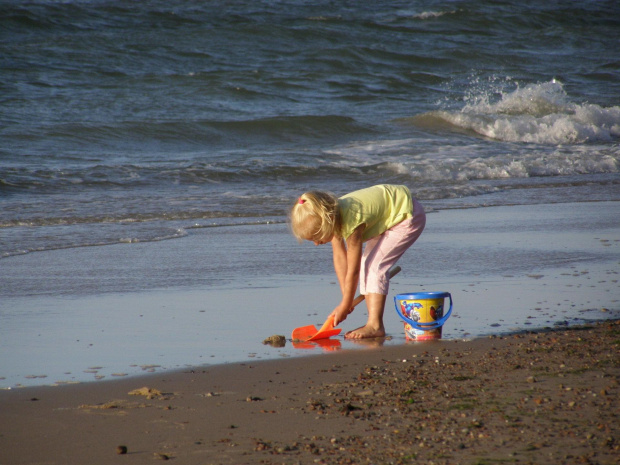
{"x":73,"y":240}
{"x":58,"y":235}
{"x":215,"y":218}
{"x":451,"y":171}
{"x":538,"y":165}
{"x":372,"y":161}
{"x":433,"y":14}
{"x":407,"y":18}
{"x":443,"y":166}
{"x":245,"y":133}
{"x":537,"y":113}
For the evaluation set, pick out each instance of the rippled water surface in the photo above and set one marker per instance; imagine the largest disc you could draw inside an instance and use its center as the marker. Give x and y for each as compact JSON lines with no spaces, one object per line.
{"x":124,"y":122}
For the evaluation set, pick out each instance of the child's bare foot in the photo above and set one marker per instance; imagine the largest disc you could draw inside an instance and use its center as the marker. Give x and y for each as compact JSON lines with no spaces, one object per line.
{"x":365,"y":331}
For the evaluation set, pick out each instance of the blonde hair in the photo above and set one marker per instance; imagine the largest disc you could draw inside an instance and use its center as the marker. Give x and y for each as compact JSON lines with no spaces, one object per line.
{"x":315,"y":216}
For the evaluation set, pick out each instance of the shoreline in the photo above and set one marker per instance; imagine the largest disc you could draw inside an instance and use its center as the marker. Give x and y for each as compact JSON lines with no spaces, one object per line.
{"x":508,"y":269}
{"x":542,"y":396}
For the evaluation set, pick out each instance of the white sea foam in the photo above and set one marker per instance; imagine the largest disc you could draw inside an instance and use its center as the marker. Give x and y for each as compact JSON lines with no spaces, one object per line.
{"x":455,"y":164}
{"x":537,"y":113}
{"x":433,"y":14}
{"x":409,"y":13}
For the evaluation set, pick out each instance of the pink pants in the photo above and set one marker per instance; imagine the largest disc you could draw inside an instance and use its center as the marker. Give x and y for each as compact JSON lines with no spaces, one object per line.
{"x":382,"y":252}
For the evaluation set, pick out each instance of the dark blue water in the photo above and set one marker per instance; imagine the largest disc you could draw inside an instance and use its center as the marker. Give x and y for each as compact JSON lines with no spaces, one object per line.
{"x":138,"y":121}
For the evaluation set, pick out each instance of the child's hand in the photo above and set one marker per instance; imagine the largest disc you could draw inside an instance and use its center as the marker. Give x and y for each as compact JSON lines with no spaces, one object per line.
{"x":340,"y":313}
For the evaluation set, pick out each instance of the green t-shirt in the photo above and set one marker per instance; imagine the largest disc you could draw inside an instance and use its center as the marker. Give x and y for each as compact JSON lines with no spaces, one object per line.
{"x":378,"y":207}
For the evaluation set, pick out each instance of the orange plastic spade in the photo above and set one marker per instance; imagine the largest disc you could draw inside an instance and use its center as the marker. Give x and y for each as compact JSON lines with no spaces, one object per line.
{"x":311,"y":333}
{"x":306,"y":333}
{"x":326,"y":331}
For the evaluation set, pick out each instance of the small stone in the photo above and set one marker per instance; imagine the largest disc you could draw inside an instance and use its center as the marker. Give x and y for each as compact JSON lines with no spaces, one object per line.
{"x":275,"y":341}
{"x":260,"y":445}
{"x":366,"y":393}
{"x":121,"y":450}
{"x":149,"y":393}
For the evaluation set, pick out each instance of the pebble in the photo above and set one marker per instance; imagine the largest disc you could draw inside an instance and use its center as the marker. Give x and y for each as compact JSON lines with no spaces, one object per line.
{"x":275,"y":341}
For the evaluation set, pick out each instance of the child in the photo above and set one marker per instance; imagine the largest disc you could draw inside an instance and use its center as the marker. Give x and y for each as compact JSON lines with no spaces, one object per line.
{"x":385,"y":217}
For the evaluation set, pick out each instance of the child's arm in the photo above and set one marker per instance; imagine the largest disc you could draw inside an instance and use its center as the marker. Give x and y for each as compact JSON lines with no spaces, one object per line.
{"x":347,"y":264}
{"x":339,"y":251}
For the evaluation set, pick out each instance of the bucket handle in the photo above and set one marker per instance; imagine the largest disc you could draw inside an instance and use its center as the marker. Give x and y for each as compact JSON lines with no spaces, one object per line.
{"x":425,"y":326}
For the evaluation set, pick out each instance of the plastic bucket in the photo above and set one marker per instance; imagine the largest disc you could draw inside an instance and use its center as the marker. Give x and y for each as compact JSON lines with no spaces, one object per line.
{"x":423,"y":314}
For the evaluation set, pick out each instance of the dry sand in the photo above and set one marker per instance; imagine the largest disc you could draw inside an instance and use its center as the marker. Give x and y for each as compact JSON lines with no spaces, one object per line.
{"x":543,"y":397}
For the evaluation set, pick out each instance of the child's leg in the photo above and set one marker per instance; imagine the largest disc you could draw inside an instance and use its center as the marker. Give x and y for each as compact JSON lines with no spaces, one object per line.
{"x":380,"y":254}
{"x":374,"y":327}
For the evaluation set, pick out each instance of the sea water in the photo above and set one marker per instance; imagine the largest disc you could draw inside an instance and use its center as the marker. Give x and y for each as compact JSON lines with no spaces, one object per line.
{"x":145,"y":123}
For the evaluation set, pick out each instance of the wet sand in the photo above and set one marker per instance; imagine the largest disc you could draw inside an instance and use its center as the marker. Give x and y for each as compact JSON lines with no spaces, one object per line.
{"x":542,"y":397}
{"x":211,"y":297}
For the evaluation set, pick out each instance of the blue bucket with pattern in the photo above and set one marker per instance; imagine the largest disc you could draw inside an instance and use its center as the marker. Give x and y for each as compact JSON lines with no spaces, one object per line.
{"x":423,"y":314}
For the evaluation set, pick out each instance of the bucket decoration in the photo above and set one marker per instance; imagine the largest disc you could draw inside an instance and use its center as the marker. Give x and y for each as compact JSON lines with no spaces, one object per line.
{"x":423,"y":314}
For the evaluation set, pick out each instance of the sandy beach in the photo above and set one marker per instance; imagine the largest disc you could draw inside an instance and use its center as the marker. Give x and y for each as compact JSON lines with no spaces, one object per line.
{"x":541,"y":397}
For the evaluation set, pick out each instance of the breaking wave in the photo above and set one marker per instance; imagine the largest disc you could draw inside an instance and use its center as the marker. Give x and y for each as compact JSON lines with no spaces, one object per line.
{"x":537,"y":113}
